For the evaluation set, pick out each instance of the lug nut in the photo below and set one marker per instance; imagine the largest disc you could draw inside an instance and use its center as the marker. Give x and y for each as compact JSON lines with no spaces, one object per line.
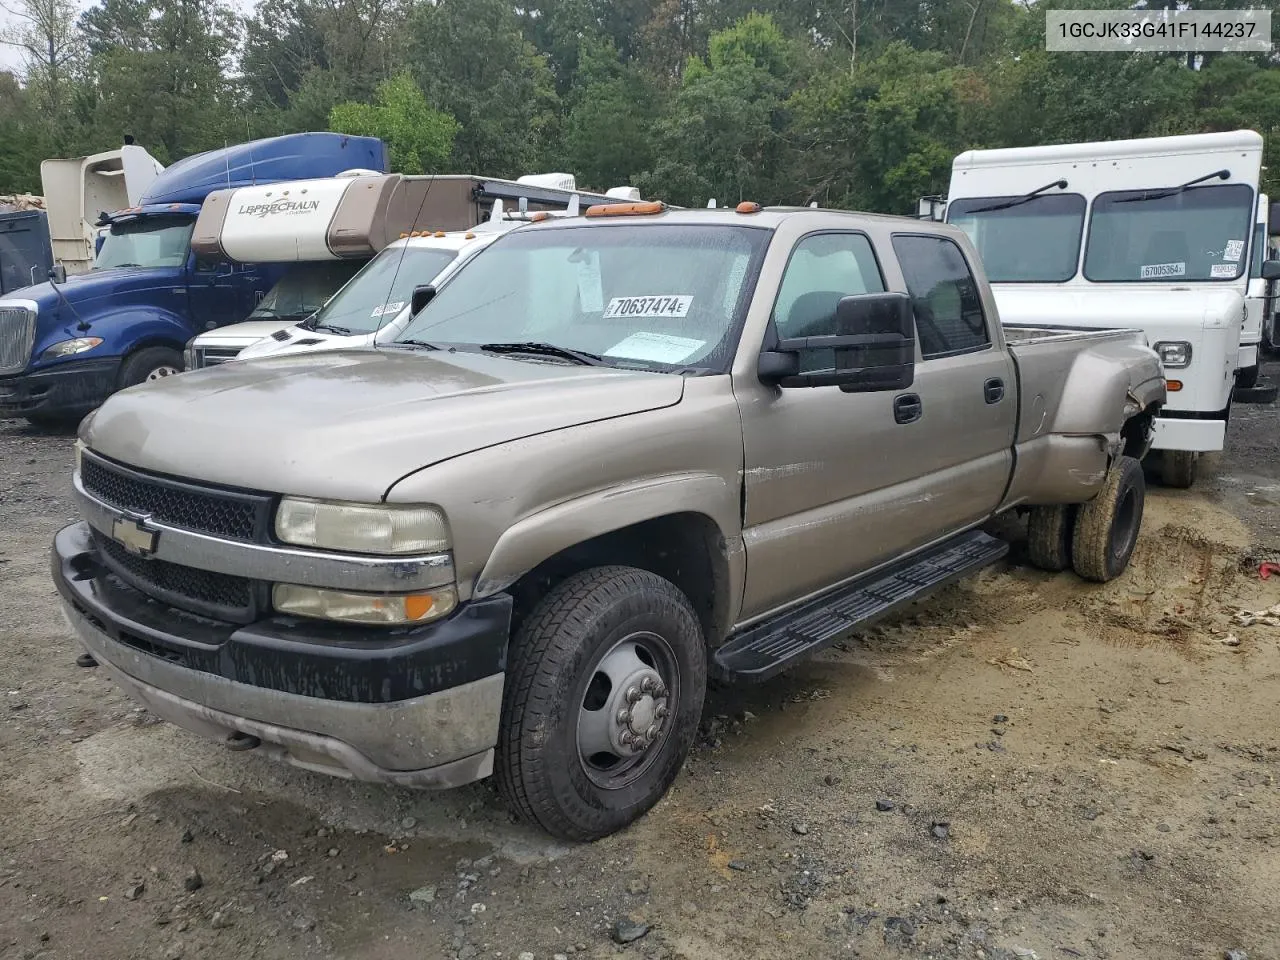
{"x":661,"y":712}
{"x":652,"y":733}
{"x":648,"y":685}
{"x":633,"y":695}
{"x":624,"y":716}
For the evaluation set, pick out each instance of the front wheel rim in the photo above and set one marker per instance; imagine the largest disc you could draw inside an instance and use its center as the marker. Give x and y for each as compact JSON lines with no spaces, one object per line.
{"x":627,"y":709}
{"x":160,"y":372}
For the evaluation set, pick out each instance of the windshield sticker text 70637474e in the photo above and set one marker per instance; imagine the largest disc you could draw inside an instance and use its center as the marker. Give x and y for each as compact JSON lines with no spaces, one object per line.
{"x":665,"y":306}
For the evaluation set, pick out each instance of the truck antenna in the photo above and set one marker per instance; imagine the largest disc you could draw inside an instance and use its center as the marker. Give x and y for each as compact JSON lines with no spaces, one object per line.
{"x":400,"y":262}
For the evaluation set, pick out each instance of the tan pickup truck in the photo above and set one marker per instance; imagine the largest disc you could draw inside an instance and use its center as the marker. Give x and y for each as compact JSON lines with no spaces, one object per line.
{"x":611,"y":456}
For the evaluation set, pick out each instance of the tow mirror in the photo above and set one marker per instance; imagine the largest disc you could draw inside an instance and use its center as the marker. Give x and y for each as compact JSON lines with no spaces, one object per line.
{"x":421,"y":297}
{"x":1273,"y":220}
{"x":871,"y":348}
{"x":57,"y":273}
{"x":1270,"y":270}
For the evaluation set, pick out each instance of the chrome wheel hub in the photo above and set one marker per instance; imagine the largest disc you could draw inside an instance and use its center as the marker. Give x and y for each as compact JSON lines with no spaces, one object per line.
{"x":159,"y":373}
{"x":625,"y":711}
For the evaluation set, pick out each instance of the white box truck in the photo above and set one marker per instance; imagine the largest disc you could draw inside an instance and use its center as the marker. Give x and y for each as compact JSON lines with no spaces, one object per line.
{"x":1155,"y":234}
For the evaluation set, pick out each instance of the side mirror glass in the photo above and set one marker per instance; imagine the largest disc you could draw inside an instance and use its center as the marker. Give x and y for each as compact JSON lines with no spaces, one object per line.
{"x":421,"y":297}
{"x":1273,"y":219}
{"x":871,"y":348}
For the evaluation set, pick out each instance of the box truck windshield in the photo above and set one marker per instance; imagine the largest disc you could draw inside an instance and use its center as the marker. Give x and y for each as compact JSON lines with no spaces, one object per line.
{"x":1024,"y":240}
{"x":1163,"y":236}
{"x":151,"y":241}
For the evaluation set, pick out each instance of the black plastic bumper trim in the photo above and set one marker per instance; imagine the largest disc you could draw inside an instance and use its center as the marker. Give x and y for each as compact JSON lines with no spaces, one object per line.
{"x":74,"y":386}
{"x":294,"y":655}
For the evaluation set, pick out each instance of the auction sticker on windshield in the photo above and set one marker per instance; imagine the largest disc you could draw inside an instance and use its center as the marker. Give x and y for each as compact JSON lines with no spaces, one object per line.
{"x":1220,"y":271}
{"x":655,"y":347}
{"x":1154,"y":270}
{"x":1233,"y":250}
{"x":664,"y":306}
{"x":395,"y":306}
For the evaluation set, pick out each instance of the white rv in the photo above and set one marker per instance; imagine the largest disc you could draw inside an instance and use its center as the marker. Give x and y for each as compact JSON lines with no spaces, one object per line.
{"x":1155,"y":234}
{"x":331,"y":228}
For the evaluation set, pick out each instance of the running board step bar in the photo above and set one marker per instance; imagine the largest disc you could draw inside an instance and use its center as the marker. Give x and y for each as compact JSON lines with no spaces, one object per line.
{"x":766,"y":649}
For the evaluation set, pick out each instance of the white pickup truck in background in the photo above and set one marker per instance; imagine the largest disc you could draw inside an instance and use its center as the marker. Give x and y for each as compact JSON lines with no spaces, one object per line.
{"x":1155,"y":234}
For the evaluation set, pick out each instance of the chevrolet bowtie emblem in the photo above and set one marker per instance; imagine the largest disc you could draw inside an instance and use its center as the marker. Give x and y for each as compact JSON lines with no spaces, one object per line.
{"x":135,"y":537}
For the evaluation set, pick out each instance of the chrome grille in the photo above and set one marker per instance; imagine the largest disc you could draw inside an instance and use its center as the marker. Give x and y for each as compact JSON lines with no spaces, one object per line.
{"x":234,"y":514}
{"x":209,"y":356}
{"x":217,"y":595}
{"x":17,"y":335}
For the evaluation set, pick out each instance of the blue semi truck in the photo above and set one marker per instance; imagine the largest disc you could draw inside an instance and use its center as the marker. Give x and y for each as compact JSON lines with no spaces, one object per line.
{"x":67,"y":344}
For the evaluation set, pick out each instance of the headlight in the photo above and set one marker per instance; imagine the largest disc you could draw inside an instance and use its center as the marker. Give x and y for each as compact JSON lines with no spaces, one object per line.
{"x":364,"y":607}
{"x":382,"y":529}
{"x":69,"y":348}
{"x":1174,"y":353}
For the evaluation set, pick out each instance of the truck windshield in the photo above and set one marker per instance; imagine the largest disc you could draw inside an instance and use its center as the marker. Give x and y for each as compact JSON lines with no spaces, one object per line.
{"x":304,"y":288}
{"x":1036,"y":241}
{"x":149,"y":241}
{"x":1169,"y":236}
{"x":382,"y":289}
{"x":655,"y":295}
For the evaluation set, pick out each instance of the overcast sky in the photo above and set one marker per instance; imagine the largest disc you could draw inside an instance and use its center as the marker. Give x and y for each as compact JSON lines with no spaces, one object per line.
{"x":11,"y":57}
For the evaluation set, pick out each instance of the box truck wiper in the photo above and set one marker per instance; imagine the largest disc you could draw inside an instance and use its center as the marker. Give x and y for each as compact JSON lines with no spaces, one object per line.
{"x":1174,"y":191}
{"x":1060,"y":184}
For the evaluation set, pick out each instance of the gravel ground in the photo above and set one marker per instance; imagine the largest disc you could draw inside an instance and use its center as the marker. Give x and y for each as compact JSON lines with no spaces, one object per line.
{"x":1024,"y":766}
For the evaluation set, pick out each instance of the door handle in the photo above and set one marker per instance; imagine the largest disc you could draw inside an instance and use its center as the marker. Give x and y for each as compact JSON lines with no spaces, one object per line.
{"x":993,"y":390}
{"x":907,"y":408}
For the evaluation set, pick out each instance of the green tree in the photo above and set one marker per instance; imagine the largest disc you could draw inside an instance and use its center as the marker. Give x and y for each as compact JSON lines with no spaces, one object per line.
{"x":419,"y":138}
{"x":473,"y":61}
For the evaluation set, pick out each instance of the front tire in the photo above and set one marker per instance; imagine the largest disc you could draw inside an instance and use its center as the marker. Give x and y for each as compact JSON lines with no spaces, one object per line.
{"x":1247,"y":377}
{"x":149,"y":363}
{"x":1108,"y":525}
{"x":604,"y":693}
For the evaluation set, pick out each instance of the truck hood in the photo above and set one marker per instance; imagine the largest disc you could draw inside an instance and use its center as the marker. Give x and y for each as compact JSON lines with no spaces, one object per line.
{"x":1150,"y":307}
{"x":349,"y":424}
{"x":247,"y":331}
{"x":84,"y":288}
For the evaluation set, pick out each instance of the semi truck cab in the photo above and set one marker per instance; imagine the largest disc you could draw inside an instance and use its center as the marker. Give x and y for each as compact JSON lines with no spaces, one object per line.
{"x":68,"y":343}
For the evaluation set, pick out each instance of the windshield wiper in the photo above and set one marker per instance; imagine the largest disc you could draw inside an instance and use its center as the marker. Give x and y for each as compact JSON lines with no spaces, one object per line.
{"x":332,"y":328}
{"x":535,"y":348}
{"x":1174,"y":191}
{"x":411,"y":343}
{"x":1025,"y":198}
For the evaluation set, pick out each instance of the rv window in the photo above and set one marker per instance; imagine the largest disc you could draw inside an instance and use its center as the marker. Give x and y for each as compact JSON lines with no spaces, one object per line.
{"x":663,"y":296}
{"x":1037,"y":241}
{"x":1163,"y":236}
{"x":151,"y":241}
{"x":304,"y":288}
{"x":383,"y":288}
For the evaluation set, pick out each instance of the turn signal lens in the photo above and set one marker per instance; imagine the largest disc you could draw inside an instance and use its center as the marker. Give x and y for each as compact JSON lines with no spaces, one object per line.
{"x":369,"y":608}
{"x":1173,"y":386}
{"x":748,"y":206}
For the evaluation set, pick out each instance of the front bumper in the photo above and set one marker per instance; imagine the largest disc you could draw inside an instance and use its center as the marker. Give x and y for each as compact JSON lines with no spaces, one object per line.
{"x":1201,"y":436}
{"x":68,"y":389}
{"x":414,"y":707}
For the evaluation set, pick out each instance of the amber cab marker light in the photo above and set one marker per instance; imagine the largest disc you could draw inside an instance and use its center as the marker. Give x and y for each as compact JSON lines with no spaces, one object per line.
{"x":626,"y":209}
{"x":748,"y":206}
{"x":438,"y":234}
{"x":1173,"y":386}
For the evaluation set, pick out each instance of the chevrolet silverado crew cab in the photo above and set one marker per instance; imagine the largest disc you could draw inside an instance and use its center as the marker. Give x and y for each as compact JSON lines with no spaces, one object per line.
{"x":612,"y":456}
